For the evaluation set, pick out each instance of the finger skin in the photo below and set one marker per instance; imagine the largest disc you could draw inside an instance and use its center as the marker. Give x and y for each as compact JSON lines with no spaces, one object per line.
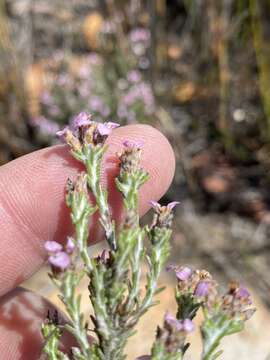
{"x":32,"y":197}
{"x":21,"y":316}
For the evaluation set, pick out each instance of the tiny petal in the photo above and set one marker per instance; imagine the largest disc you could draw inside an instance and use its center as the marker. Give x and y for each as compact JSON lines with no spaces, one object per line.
{"x":104,"y":130}
{"x":242,"y":292}
{"x":133,"y":144}
{"x":154,"y":204}
{"x":83,"y":119}
{"x":104,"y":255}
{"x":53,"y":246}
{"x":60,"y":260}
{"x":70,"y":245}
{"x":112,"y":125}
{"x":172,"y":321}
{"x":202,"y":288}
{"x":62,"y":133}
{"x":183,"y":273}
{"x":172,"y":204}
{"x":188,"y":326}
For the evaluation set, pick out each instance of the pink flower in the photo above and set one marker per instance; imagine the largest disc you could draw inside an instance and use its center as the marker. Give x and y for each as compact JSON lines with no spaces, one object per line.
{"x":183,"y":273}
{"x":172,"y":204}
{"x":106,"y":128}
{"x":53,"y":246}
{"x":202,"y":288}
{"x":133,"y":144}
{"x":70,"y":245}
{"x":134,"y":76}
{"x":81,"y":120}
{"x":188,"y":326}
{"x":61,"y":134}
{"x":60,"y":260}
{"x":185,"y":325}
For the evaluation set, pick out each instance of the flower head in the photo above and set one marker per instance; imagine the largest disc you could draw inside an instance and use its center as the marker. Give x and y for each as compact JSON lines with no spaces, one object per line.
{"x":61,"y":134}
{"x":53,"y":246}
{"x":60,"y":260}
{"x":183,"y":273}
{"x":202,"y":288}
{"x":83,"y":119}
{"x":163,"y":214}
{"x":188,"y":325}
{"x":70,"y":245}
{"x":106,"y":128}
{"x":185,"y":325}
{"x":134,"y":144}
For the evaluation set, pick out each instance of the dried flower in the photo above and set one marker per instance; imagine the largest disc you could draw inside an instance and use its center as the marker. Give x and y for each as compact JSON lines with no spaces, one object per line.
{"x":163,"y":214}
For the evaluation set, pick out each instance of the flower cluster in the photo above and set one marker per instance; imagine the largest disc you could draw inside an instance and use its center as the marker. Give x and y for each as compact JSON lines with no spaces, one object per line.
{"x":108,"y":89}
{"x":140,"y":41}
{"x":59,"y":258}
{"x":114,"y":276}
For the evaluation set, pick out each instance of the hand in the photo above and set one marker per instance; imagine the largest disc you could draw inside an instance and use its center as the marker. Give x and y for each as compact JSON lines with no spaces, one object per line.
{"x":32,"y":211}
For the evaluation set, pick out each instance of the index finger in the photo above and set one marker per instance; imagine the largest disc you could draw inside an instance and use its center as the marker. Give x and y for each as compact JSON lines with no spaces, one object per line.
{"x":32,"y":201}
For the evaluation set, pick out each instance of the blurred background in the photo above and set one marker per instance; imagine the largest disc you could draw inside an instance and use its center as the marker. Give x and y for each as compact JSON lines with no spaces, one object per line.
{"x":198,"y":70}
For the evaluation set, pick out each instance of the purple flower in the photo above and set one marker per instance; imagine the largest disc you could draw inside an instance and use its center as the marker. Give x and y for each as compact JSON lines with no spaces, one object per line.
{"x":60,"y":260}
{"x":183,"y":273}
{"x":185,"y":325}
{"x":106,"y":128}
{"x":172,"y":204}
{"x":143,"y":357}
{"x":133,"y":144}
{"x":202,"y":288}
{"x":243,"y":294}
{"x":61,"y":134}
{"x":134,"y":76}
{"x":172,"y":321}
{"x":140,"y":35}
{"x":70,"y":245}
{"x":46,"y":126}
{"x":81,"y":120}
{"x":157,"y":205}
{"x":53,"y":246}
{"x":188,"y":326}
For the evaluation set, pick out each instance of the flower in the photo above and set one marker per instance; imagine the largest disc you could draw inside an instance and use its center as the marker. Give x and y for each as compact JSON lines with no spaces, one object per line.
{"x":53,"y":246}
{"x":172,"y":321}
{"x":242,"y":293}
{"x":70,"y":245}
{"x":134,"y":76}
{"x":185,"y":325}
{"x":61,"y":134}
{"x":81,"y":120}
{"x":158,"y":207}
{"x":183,"y":273}
{"x":46,"y":126}
{"x":106,"y":128}
{"x":188,"y":326}
{"x":133,"y":143}
{"x":172,"y":204}
{"x":202,"y":288}
{"x":60,"y":260}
